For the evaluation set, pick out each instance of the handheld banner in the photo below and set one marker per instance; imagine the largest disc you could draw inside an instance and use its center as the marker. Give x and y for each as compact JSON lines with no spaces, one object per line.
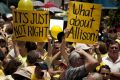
{"x":83,"y":22}
{"x":31,"y":25}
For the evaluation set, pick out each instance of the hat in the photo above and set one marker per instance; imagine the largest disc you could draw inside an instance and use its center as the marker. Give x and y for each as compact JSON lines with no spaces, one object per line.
{"x":118,"y":40}
{"x":82,"y":46}
{"x":23,"y":72}
{"x":42,"y":65}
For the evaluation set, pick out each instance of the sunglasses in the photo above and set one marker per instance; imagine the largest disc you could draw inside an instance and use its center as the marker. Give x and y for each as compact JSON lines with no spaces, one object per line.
{"x":105,"y":73}
{"x":81,"y":58}
{"x":114,"y":47}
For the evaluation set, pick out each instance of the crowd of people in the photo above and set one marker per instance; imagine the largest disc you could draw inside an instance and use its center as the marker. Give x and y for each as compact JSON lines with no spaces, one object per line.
{"x":58,"y":59}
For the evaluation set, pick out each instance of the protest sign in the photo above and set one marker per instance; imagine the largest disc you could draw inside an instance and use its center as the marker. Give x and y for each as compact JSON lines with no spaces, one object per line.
{"x":31,"y":25}
{"x":83,"y":22}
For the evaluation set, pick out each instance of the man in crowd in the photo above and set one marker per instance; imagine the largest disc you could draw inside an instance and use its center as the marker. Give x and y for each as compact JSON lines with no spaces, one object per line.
{"x":113,"y":59}
{"x":80,"y":64}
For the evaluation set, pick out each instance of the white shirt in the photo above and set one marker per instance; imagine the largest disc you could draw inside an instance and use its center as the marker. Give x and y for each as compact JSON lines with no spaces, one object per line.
{"x":115,"y":67}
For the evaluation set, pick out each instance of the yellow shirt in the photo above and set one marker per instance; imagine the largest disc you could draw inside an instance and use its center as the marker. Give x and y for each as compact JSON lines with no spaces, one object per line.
{"x":1,"y":73}
{"x":33,"y":77}
{"x":47,"y":77}
{"x":22,"y":60}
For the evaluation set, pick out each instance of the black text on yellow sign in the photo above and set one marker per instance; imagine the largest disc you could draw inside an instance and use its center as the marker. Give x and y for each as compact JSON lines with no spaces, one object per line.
{"x":83,"y":22}
{"x":31,"y":25}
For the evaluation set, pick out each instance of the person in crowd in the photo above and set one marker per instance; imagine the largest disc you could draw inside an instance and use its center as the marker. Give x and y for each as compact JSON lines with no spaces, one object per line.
{"x":60,"y":57}
{"x":3,"y":46}
{"x":118,"y":35}
{"x":94,"y":76}
{"x":45,"y":51}
{"x":41,"y":71}
{"x":10,"y":43}
{"x":22,"y":74}
{"x":112,"y":33}
{"x":113,"y":59}
{"x":30,"y":46}
{"x":105,"y":72}
{"x":102,"y":48}
{"x":78,"y":66}
{"x":10,"y":69}
{"x":92,"y":49}
{"x":55,"y":69}
{"x":40,"y":48}
{"x":32,"y":57}
{"x":20,"y":51}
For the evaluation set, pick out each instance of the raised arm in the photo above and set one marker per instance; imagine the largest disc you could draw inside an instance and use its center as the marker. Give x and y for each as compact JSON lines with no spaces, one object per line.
{"x":49,"y":46}
{"x":91,"y":62}
{"x":97,"y":51}
{"x":63,"y":50}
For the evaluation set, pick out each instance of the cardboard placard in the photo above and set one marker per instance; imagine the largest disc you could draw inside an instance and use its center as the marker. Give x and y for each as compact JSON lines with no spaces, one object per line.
{"x":83,"y":22}
{"x":31,"y":25}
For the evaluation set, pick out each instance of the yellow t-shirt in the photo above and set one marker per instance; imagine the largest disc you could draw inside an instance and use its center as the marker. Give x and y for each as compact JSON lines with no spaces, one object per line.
{"x":1,"y":73}
{"x":33,"y":77}
{"x":56,"y":76}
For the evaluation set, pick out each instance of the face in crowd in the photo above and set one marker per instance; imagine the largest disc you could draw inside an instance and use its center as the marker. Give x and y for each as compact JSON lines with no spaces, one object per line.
{"x":105,"y":71}
{"x":114,"y":48}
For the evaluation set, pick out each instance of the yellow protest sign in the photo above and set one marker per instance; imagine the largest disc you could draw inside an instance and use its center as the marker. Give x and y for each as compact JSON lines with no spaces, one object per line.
{"x":31,"y":25}
{"x":83,"y":22}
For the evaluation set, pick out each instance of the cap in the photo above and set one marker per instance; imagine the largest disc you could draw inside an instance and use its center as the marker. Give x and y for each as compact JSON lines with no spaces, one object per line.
{"x":82,"y":46}
{"x":42,"y":65}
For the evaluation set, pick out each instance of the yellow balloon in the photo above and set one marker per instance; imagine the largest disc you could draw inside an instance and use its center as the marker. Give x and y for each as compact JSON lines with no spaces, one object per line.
{"x":55,"y":30}
{"x":25,"y":5}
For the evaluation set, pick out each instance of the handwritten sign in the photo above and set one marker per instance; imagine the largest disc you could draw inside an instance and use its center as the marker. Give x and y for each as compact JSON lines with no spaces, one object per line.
{"x":83,"y":22}
{"x":31,"y":25}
